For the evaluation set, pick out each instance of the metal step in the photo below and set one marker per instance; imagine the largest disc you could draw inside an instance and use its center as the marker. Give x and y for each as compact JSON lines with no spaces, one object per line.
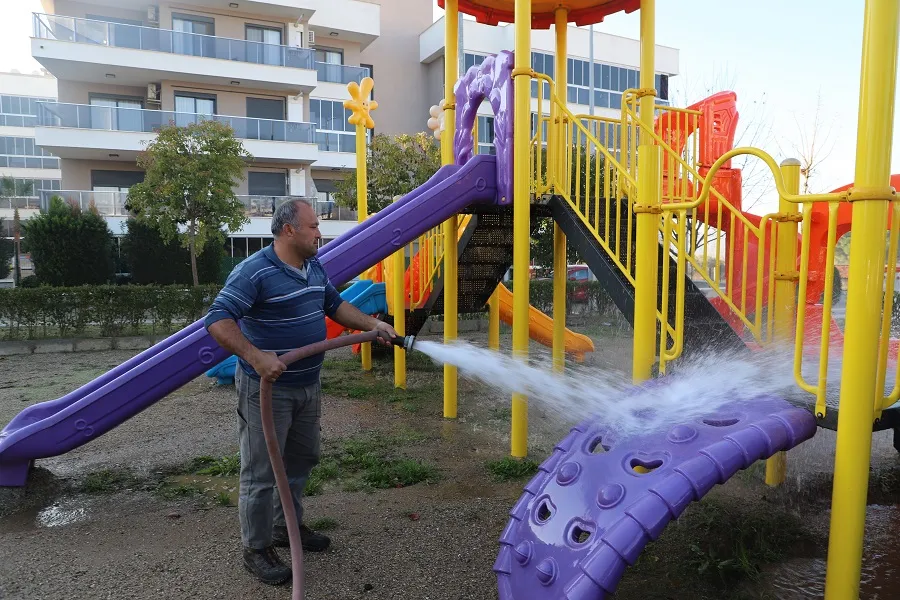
{"x":705,"y":329}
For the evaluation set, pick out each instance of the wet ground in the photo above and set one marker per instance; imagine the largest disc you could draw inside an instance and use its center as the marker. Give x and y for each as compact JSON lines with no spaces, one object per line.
{"x":82,"y":529}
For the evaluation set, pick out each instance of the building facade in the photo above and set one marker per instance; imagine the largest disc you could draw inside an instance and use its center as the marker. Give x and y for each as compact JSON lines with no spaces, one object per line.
{"x":277,"y":72}
{"x":26,"y":166}
{"x":616,"y":62}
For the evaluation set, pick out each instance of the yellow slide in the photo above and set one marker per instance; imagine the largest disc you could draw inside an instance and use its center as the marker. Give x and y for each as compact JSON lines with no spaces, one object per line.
{"x":540,"y":327}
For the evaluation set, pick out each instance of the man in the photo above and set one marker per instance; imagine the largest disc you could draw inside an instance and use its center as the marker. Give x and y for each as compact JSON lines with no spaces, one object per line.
{"x":280,"y":295}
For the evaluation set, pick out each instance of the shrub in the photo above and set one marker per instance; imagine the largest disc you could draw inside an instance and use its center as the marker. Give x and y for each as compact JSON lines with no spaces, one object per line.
{"x":150,"y":260}
{"x":69,"y":246}
{"x":110,"y":310}
{"x":7,"y":250}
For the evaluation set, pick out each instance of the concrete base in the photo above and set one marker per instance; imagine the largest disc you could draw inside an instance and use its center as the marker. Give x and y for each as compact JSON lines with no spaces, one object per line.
{"x":141,"y":342}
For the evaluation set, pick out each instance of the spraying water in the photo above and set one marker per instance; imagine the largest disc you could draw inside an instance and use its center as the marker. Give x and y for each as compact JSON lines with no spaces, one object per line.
{"x":702,"y":386}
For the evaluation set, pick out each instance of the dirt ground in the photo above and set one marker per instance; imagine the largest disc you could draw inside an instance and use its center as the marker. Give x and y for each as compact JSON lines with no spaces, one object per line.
{"x":126,"y":516}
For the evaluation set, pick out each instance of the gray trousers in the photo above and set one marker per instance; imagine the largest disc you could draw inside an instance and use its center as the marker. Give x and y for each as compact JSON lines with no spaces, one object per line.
{"x":296,"y":412}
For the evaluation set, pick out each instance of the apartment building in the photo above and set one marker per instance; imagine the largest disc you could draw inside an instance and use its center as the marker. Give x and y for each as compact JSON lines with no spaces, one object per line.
{"x":30,"y":167}
{"x":615,"y":66}
{"x":275,"y":71}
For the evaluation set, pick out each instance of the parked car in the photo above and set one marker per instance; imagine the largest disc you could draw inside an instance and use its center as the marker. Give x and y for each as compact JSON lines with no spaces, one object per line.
{"x":581,"y":275}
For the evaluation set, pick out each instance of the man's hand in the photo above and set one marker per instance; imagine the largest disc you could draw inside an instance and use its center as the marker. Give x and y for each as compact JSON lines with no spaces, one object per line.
{"x":385,"y":331}
{"x":268,"y":366}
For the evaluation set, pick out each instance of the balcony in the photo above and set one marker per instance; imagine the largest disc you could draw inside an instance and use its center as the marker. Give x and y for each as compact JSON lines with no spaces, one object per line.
{"x":334,"y":220}
{"x":342,"y":74}
{"x":103,"y":52}
{"x":103,"y":132}
{"x":109,"y":204}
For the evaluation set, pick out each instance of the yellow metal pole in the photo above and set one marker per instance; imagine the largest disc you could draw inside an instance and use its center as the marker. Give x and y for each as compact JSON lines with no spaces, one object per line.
{"x":560,"y":265}
{"x":451,"y":238}
{"x":878,"y":75}
{"x":521,"y":216}
{"x":362,"y":213}
{"x":786,"y":276}
{"x":646,"y":219}
{"x":494,"y":321}
{"x":398,"y":290}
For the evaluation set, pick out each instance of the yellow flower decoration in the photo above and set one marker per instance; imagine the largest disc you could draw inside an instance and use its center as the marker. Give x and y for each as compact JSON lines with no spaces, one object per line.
{"x":359,"y":104}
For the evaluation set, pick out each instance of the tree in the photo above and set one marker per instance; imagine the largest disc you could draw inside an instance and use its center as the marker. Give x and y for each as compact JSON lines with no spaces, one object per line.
{"x":188,"y":188}
{"x":7,"y":249}
{"x":151,"y":260}
{"x":394,"y":166}
{"x":11,"y":188}
{"x":813,"y":146}
{"x":69,"y":246}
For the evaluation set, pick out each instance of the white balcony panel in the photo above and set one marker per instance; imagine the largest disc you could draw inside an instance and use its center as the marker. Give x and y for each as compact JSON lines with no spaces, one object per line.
{"x":335,"y":161}
{"x":352,"y":20}
{"x":92,"y":63}
{"x":99,"y":144}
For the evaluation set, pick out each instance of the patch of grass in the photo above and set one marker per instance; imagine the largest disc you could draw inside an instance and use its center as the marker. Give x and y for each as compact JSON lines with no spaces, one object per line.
{"x":370,"y":462}
{"x":323,"y":524}
{"x":731,"y":540}
{"x":223,"y":498}
{"x":108,"y":481}
{"x":225,"y":466}
{"x":399,"y":473}
{"x":509,"y":468}
{"x":174,"y":492}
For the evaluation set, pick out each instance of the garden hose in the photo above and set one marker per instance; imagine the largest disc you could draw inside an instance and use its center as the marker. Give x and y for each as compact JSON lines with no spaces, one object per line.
{"x":268,"y":423}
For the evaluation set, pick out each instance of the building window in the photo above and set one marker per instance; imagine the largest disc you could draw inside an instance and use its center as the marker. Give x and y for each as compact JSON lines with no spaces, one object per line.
{"x":486,"y":135}
{"x":36,"y":185}
{"x":22,"y":153}
{"x":333,"y":132}
{"x":330,"y":56}
{"x":609,"y":81}
{"x":188,"y":106}
{"x":20,"y":111}
{"x":192,"y":35}
{"x":472,"y":60}
{"x":267,"y":49}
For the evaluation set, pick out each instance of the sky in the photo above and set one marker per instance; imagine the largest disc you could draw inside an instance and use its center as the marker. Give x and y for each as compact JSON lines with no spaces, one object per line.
{"x":781,"y":58}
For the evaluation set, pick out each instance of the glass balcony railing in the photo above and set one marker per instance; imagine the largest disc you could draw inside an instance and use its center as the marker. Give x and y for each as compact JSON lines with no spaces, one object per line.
{"x":113,"y":204}
{"x":111,"y":118}
{"x":21,"y":202}
{"x":118,"y":35}
{"x":340,"y":73}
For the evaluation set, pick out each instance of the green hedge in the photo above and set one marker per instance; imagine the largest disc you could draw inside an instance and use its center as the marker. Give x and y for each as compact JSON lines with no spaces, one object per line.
{"x":106,"y":310}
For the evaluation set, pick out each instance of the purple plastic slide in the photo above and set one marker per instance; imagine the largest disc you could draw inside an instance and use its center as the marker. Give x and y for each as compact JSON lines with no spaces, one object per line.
{"x":57,"y":426}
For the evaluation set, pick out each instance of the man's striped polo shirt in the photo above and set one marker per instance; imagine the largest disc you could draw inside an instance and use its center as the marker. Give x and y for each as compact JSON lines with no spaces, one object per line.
{"x":279,"y":308}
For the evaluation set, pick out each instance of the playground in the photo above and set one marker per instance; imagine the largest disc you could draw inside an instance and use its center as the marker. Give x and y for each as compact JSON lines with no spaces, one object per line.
{"x":726,"y":436}
{"x":149,"y":531}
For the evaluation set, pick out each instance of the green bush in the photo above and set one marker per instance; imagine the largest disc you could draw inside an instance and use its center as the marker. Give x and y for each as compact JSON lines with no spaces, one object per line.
{"x":152,"y":261}
{"x":7,"y":250}
{"x":69,"y":246}
{"x":106,"y":310}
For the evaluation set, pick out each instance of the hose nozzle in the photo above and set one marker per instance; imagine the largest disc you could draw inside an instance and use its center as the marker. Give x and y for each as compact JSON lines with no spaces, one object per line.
{"x":405,"y":342}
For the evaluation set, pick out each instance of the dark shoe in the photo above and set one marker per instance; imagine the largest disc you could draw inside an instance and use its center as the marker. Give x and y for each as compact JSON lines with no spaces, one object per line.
{"x":311,"y":541}
{"x":266,"y":565}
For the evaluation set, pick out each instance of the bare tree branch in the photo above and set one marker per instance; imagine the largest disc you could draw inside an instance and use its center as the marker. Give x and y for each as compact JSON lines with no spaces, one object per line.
{"x":815,"y":143}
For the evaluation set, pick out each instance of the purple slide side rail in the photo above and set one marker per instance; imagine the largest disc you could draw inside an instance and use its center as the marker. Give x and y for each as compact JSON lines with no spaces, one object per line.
{"x":491,"y":81}
{"x":58,"y":426}
{"x":417,"y":212}
{"x":588,"y":513}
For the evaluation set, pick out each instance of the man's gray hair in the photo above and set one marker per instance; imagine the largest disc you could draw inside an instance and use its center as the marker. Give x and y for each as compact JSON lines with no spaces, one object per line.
{"x":286,"y":213}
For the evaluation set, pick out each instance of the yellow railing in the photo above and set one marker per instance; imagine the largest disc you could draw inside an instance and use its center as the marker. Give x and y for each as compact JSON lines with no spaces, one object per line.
{"x":591,"y":162}
{"x":571,"y":161}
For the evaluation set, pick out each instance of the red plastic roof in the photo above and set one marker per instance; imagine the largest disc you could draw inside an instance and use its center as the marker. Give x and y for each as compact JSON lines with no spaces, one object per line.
{"x":581,"y":12}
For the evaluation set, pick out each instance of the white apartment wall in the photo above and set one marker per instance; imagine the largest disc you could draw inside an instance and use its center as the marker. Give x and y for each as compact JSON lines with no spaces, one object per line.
{"x":485,"y":39}
{"x":20,"y":84}
{"x":399,"y":75}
